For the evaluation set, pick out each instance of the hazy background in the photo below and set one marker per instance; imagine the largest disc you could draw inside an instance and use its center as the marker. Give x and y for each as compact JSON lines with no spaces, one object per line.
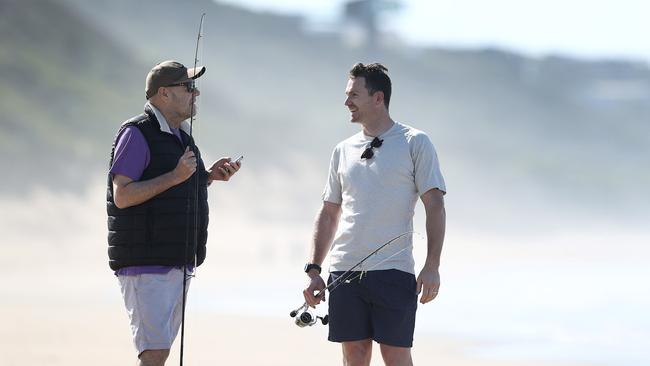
{"x":544,"y":150}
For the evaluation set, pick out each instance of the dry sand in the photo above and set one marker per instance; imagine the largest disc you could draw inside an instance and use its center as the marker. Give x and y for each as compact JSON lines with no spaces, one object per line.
{"x":99,"y":335}
{"x":61,"y":304}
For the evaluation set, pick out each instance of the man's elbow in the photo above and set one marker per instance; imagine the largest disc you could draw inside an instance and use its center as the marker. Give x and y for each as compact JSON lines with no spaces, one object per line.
{"x":120,"y":201}
{"x":119,"y":204}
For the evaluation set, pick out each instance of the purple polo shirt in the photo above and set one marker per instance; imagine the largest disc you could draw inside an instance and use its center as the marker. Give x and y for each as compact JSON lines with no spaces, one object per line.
{"x":131,"y":158}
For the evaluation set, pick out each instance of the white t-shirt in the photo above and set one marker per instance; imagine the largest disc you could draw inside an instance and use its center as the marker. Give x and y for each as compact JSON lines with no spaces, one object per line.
{"x":378,"y":196}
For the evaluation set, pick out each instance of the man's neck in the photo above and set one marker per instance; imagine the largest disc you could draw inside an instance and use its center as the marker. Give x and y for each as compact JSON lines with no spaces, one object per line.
{"x":378,"y":126}
{"x":171,"y":121}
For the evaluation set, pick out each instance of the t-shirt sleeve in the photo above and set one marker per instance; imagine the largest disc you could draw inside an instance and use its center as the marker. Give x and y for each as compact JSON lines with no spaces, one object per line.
{"x":131,"y":155}
{"x":332,"y":192}
{"x":427,"y":167}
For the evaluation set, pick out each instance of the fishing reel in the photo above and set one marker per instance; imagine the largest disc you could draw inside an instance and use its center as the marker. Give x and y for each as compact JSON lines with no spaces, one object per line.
{"x":304,"y":318}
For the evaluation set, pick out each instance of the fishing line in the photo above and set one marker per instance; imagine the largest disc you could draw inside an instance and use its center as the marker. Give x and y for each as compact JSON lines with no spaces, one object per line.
{"x":197,"y":175}
{"x":306,"y":319}
{"x":357,"y":274}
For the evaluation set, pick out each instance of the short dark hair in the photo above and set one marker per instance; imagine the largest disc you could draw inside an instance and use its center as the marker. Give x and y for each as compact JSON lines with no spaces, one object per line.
{"x":376,"y":79}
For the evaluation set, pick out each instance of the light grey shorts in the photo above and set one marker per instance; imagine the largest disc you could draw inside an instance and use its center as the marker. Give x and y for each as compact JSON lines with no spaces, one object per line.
{"x":154,"y":304}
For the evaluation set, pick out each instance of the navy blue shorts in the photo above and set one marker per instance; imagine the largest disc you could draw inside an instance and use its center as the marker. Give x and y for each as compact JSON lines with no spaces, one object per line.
{"x":379,"y":305}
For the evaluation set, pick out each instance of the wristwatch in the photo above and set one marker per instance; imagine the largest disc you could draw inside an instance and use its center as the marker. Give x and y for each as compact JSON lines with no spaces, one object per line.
{"x":310,"y":266}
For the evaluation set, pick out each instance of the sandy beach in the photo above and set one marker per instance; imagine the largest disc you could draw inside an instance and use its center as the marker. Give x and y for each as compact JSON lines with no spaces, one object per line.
{"x":61,"y":304}
{"x":81,"y":335}
{"x":74,"y":316}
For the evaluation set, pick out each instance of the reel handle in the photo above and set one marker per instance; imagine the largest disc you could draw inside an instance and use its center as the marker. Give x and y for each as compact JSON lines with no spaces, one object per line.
{"x":295,"y":312}
{"x":324,"y":319}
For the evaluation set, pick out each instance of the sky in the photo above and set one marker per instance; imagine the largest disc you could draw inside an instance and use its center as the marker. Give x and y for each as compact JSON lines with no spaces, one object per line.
{"x":588,"y":29}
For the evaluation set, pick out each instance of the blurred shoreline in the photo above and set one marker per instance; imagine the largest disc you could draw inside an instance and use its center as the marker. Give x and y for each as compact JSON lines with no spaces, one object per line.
{"x":501,"y":303}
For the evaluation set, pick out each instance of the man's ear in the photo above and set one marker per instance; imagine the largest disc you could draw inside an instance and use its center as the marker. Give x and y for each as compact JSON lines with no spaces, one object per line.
{"x":379,"y":97}
{"x":164,"y":93}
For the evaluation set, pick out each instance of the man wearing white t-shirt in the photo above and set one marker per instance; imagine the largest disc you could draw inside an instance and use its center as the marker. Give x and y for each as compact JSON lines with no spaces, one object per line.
{"x":375,"y":179}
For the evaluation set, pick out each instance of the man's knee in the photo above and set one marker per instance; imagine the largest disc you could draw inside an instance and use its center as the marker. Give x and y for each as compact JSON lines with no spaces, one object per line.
{"x":396,"y":356}
{"x":357,"y":353}
{"x":153,"y":357}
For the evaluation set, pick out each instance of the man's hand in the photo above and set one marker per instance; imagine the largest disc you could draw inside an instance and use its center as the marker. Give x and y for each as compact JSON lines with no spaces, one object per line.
{"x":186,"y":166}
{"x":223,"y":169}
{"x":316,"y":284}
{"x":428,"y":284}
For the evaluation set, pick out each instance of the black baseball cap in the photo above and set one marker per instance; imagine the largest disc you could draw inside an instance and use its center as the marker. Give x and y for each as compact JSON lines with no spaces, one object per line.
{"x":168,"y":73}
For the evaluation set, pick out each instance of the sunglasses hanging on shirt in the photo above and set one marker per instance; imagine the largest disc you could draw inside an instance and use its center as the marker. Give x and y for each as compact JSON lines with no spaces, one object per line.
{"x":368,"y":153}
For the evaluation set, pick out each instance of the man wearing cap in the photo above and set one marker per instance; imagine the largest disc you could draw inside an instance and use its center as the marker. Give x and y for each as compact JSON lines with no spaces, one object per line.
{"x":157,"y":207}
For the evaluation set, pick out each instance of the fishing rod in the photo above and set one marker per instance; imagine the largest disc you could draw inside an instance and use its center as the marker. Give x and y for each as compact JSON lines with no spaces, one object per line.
{"x":186,"y":275}
{"x":307,"y":319}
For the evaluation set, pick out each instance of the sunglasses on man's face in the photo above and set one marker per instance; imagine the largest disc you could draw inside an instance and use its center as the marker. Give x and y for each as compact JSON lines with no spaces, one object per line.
{"x":189,"y":85}
{"x":368,"y":153}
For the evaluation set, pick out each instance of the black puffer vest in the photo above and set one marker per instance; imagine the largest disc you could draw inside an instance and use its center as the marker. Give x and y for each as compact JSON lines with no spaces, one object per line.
{"x":157,"y":231}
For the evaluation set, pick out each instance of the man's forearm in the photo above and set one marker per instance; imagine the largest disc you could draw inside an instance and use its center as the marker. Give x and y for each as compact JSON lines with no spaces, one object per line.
{"x":137,"y":192}
{"x":435,"y":224}
{"x":324,"y":230}
{"x":434,"y":207}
